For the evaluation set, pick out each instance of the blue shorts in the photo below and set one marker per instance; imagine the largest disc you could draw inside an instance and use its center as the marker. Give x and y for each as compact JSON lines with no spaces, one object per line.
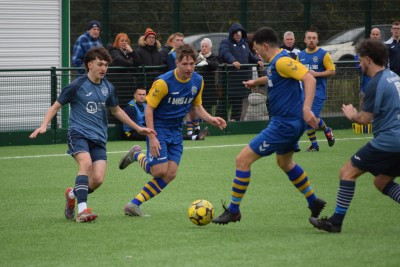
{"x":281,"y":136}
{"x":77,"y":143}
{"x":376,"y":161}
{"x":171,"y":142}
{"x":317,"y":106}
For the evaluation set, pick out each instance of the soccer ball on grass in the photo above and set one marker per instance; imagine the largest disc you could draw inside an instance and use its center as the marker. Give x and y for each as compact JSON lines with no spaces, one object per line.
{"x":201,"y":212}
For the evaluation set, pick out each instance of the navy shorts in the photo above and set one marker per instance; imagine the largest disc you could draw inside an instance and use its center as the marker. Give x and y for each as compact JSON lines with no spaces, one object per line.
{"x":171,"y":142}
{"x":376,"y":161}
{"x":281,"y":136}
{"x":77,"y":144}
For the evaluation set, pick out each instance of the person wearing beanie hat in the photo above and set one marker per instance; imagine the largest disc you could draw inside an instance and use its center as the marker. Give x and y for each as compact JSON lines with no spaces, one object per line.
{"x":149,"y":31}
{"x":88,"y":40}
{"x":93,"y":24}
{"x":149,"y":55}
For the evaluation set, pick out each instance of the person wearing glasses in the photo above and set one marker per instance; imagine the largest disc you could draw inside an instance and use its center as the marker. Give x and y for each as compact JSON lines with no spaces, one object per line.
{"x":393,"y":45}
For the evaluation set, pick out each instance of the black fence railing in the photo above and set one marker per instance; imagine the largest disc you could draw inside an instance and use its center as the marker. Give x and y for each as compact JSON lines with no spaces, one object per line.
{"x":26,"y":94}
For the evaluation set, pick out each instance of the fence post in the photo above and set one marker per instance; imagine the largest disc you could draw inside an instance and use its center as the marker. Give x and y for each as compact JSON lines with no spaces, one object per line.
{"x":53,"y":98}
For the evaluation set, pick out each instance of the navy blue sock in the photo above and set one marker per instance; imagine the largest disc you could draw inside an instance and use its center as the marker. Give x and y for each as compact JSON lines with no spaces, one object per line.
{"x":81,"y":188}
{"x":343,"y":200}
{"x":392,"y":190}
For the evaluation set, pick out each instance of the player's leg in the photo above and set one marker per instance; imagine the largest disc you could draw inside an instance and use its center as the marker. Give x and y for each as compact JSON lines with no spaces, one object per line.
{"x":81,"y":191}
{"x":300,"y":180}
{"x":347,"y":185}
{"x":367,"y":159}
{"x":133,"y":155}
{"x":385,"y":182}
{"x":388,"y":187}
{"x":240,"y":183}
{"x":163,"y":169}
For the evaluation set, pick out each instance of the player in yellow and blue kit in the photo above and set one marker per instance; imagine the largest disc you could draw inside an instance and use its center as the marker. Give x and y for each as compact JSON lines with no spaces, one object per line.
{"x":170,"y":98}
{"x":321,"y":66}
{"x":288,"y":110}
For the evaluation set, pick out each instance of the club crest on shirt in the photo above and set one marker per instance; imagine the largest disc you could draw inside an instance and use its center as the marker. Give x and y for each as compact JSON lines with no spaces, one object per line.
{"x":269,"y":72}
{"x":104,"y":91}
{"x":315,"y":59}
{"x":91,"y":107}
{"x":194,"y":90}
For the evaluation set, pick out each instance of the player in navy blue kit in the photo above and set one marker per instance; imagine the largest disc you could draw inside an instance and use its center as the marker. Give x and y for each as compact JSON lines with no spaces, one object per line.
{"x":381,"y":156}
{"x":89,"y":97}
{"x":170,"y":98}
{"x":321,"y":66}
{"x":287,"y":110}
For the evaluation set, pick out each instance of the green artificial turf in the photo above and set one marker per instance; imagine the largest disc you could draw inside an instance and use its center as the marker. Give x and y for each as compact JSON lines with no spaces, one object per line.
{"x":274,"y":230}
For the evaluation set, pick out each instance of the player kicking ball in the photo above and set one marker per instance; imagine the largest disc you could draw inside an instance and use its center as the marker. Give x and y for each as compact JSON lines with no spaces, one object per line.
{"x":289,"y":117}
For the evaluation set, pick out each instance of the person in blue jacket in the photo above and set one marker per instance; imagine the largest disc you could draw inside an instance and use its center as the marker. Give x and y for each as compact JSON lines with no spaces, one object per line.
{"x":236,"y":51}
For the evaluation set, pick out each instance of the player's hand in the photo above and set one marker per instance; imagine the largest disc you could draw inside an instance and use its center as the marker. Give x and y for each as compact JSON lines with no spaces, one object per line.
{"x":250,"y":84}
{"x":310,"y":118}
{"x":146,"y":131}
{"x":154,"y":146}
{"x":218,"y":122}
{"x":349,"y":111}
{"x":40,"y":130}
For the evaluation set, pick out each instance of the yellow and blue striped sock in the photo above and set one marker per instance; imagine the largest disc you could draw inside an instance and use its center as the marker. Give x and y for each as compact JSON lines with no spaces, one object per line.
{"x":321,"y":124}
{"x":312,"y":136}
{"x":239,"y":187}
{"x":299,"y":179}
{"x":189,"y":127}
{"x":150,"y":190}
{"x":141,"y":158}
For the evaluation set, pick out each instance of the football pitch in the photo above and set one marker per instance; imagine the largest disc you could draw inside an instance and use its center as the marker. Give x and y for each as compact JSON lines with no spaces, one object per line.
{"x":274,"y":230}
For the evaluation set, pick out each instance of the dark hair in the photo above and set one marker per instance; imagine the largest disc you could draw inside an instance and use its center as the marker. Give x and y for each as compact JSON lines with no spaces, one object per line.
{"x":312,"y":29}
{"x":185,"y":50}
{"x":266,"y":35}
{"x":376,"y":50}
{"x":97,"y":52}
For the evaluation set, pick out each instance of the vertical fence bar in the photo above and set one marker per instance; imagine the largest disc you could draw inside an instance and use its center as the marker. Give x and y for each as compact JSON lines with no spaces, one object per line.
{"x":53,"y":98}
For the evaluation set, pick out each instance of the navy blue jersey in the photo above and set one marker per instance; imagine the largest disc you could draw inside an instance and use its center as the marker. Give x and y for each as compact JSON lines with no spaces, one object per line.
{"x":89,"y":102}
{"x":383,"y":100}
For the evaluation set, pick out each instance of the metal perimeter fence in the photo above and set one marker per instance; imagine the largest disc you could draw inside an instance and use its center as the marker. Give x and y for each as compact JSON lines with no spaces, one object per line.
{"x":26,"y":94}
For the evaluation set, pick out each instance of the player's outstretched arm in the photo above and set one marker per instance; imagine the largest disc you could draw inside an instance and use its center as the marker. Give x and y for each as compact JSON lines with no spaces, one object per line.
{"x":204,"y":115}
{"x":124,"y":118}
{"x":47,"y":119}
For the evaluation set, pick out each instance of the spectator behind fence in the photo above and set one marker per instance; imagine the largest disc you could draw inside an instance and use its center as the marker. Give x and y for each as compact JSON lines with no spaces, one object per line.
{"x":288,"y":44}
{"x":171,"y":58}
{"x":375,"y":34}
{"x":320,"y":65}
{"x":89,"y":97}
{"x":123,"y":56}
{"x":149,"y":56}
{"x":165,"y":49}
{"x":208,"y":63}
{"x":88,"y":40}
{"x":235,"y":50}
{"x":393,"y":44}
{"x":135,"y":110}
